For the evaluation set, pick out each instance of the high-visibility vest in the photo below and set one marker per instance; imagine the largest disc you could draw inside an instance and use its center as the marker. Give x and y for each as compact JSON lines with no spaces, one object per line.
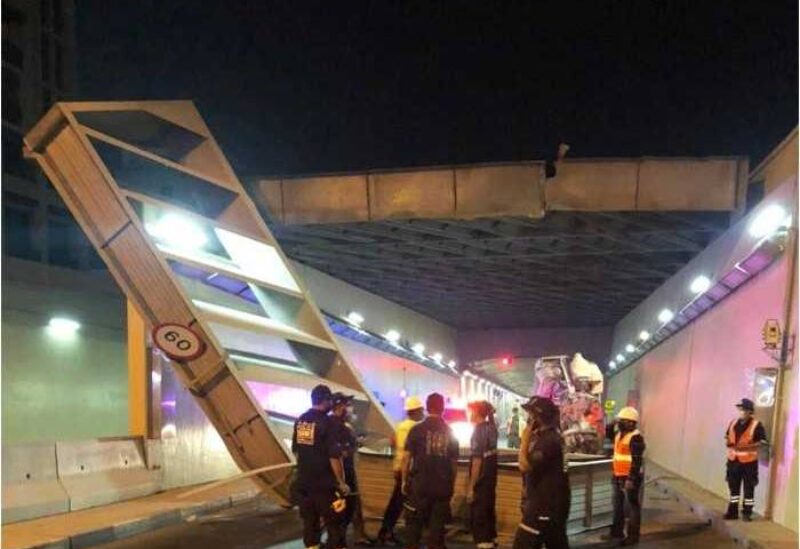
{"x":743,"y":456}
{"x":622,"y":453}
{"x":400,"y":436}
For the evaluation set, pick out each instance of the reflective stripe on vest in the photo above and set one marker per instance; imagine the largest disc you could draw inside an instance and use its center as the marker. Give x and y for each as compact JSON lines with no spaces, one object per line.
{"x":743,"y":456}
{"x":623,"y":460}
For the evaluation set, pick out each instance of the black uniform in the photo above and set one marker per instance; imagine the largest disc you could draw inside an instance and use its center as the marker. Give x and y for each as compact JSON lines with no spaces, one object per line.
{"x":546,"y":495}
{"x":738,"y":474}
{"x":482,"y":511}
{"x":314,"y":442}
{"x":632,"y":495}
{"x":433,"y":450}
{"x":348,"y":443}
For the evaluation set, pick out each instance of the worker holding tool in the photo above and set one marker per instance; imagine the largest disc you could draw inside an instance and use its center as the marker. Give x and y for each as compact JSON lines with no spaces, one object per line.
{"x":319,"y":488}
{"x":348,"y":442}
{"x":429,"y":474}
{"x":414,"y":414}
{"x":483,"y":475}
{"x":546,"y":492}
{"x":743,"y":438}
{"x":628,"y":472}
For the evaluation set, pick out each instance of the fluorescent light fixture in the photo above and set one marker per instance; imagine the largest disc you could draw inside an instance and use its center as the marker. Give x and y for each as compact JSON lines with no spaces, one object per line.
{"x":644,"y":335}
{"x":393,"y":336}
{"x":452,"y":363}
{"x":269,"y":364}
{"x":665,"y":316}
{"x":355,"y":318}
{"x":620,"y":357}
{"x":418,"y":348}
{"x":700,"y":284}
{"x":629,"y":348}
{"x":257,"y":259}
{"x":63,"y":328}
{"x":437,"y":357}
{"x":769,"y":220}
{"x":178,"y":231}
{"x":612,"y":364}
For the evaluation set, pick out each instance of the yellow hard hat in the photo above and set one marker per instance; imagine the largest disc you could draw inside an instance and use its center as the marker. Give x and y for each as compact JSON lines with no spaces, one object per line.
{"x":628,"y":413}
{"x":413,"y":403}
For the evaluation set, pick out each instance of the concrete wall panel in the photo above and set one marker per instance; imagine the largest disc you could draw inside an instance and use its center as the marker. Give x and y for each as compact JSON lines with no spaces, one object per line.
{"x":698,"y":185}
{"x":485,"y":191}
{"x":593,"y":186}
{"x":325,"y":199}
{"x":412,"y":194}
{"x":663,"y":379}
{"x":30,"y":482}
{"x":268,"y":195}
{"x":98,"y":472}
{"x":780,"y":165}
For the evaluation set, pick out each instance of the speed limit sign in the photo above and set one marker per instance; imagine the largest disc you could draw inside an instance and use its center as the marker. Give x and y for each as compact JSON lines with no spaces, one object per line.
{"x":178,"y":342}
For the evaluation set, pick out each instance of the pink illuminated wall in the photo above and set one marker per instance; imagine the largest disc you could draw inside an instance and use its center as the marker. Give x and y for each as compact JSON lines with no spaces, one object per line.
{"x":689,"y":384}
{"x":290,"y":401}
{"x":383,"y":373}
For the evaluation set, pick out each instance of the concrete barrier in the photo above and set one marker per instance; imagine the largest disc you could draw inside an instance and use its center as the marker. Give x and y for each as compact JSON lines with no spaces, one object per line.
{"x":98,"y":472}
{"x":31,"y":487}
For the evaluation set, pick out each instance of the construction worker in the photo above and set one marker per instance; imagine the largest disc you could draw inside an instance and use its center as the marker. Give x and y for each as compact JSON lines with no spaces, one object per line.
{"x":546,"y":492}
{"x":483,"y":475}
{"x":429,"y":474}
{"x":513,"y":428}
{"x":341,"y":412}
{"x":414,"y":414}
{"x":319,"y":487}
{"x":743,"y":438}
{"x":627,"y":465}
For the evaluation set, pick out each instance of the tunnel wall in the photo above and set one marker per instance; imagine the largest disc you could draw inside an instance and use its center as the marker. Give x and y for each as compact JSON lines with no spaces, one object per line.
{"x":594,"y":343}
{"x":337,"y":297}
{"x":384,"y":373}
{"x":688,"y":386}
{"x":61,"y":389}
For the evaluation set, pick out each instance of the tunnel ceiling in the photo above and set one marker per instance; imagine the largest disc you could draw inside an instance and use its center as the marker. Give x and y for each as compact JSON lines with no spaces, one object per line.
{"x":566,"y":269}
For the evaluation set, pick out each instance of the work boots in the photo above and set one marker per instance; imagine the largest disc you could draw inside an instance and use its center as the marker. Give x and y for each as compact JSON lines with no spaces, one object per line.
{"x":733,"y":512}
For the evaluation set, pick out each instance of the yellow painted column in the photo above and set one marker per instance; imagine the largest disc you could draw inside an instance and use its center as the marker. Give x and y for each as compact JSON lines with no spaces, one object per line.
{"x":138,"y":384}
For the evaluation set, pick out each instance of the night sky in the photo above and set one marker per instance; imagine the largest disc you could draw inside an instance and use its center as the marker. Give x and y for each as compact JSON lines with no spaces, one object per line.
{"x":300,"y":88}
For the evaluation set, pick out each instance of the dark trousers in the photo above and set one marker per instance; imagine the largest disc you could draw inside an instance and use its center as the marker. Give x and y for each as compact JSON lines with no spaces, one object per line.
{"x":634,"y":508}
{"x":426,"y":512}
{"x":482,"y":515}
{"x":316,"y":507}
{"x":738,"y":475}
{"x":535,"y":534}
{"x":395,"y":505}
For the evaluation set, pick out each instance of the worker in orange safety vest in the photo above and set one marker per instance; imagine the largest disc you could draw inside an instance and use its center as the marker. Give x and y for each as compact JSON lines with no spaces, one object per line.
{"x":743,"y":438}
{"x":627,"y":483}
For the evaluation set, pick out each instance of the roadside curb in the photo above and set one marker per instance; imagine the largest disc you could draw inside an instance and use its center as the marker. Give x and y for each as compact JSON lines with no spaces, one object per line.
{"x":731,"y":529}
{"x":126,"y":529}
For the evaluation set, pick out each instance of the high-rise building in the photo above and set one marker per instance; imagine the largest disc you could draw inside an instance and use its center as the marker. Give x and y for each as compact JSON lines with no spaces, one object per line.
{"x":38,"y":70}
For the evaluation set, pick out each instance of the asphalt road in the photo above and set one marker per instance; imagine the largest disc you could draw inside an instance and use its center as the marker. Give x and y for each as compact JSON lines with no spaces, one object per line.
{"x":257,"y":525}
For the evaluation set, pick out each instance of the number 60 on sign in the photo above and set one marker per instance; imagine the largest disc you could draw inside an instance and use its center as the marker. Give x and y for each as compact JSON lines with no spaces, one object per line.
{"x":178,"y":342}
